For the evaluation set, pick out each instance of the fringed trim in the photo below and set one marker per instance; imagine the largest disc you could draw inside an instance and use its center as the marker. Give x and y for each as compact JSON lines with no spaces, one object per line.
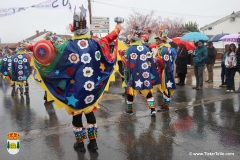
{"x":151,"y":102}
{"x":145,"y":92}
{"x":92,"y":131}
{"x":80,"y":134}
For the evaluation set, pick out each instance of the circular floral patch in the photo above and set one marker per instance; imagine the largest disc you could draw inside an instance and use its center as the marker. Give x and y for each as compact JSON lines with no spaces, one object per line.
{"x":9,"y":64}
{"x":149,"y":55}
{"x":20,"y":78}
{"x":9,"y":68}
{"x":25,"y":60}
{"x":89,"y":99}
{"x":85,"y":58}
{"x":133,"y":56}
{"x":4,"y":59}
{"x":20,"y":62}
{"x":97,"y":55}
{"x":89,"y":86}
{"x":143,"y":57}
{"x":166,"y":57}
{"x":15,"y":60}
{"x":20,"y":67}
{"x":20,"y":72}
{"x":145,"y":65}
{"x":83,"y":44}
{"x":73,"y":58}
{"x":87,"y":72}
{"x":145,"y":74}
{"x":20,"y":56}
{"x":146,"y":83}
{"x":140,"y":48}
{"x":9,"y":60}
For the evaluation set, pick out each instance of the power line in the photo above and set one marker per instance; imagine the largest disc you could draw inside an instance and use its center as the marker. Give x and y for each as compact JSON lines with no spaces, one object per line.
{"x":163,"y":12}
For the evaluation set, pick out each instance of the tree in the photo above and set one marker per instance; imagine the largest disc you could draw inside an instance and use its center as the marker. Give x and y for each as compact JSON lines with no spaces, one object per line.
{"x":175,"y":26}
{"x":192,"y":26}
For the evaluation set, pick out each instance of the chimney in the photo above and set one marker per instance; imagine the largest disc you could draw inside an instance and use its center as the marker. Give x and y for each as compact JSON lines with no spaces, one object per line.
{"x":37,"y":33}
{"x":44,"y":30}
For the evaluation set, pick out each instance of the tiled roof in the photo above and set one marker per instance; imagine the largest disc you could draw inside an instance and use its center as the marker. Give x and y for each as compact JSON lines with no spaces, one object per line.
{"x":10,"y":45}
{"x":35,"y":36}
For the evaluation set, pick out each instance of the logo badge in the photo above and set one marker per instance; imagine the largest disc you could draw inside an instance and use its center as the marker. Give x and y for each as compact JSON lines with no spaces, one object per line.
{"x":13,"y":143}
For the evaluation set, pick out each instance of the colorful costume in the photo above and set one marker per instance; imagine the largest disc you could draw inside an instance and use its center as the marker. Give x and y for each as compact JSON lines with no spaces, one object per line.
{"x":5,"y":66}
{"x":140,"y":73}
{"x":164,"y":62}
{"x":76,"y":76}
{"x":20,"y":71}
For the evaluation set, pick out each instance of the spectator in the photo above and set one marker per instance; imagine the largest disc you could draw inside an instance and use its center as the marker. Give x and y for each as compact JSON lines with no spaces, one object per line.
{"x":223,"y":71}
{"x":230,"y":63}
{"x":238,"y":59}
{"x":210,"y":61}
{"x":181,"y":64}
{"x":199,"y":56}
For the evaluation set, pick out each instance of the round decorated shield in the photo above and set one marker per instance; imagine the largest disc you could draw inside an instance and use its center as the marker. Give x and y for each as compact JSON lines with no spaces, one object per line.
{"x":43,"y":52}
{"x":124,"y":62}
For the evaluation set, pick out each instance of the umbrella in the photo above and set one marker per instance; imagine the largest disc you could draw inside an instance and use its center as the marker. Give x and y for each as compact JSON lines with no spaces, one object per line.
{"x":153,"y":40}
{"x":217,"y":37}
{"x":230,"y":38}
{"x":194,"y":36}
{"x":188,"y":45}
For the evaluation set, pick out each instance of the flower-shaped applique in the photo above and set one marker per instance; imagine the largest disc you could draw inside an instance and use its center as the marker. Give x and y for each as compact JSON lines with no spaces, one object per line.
{"x":9,"y":64}
{"x":89,"y":86}
{"x":73,"y":58}
{"x":83,"y":44}
{"x":89,"y":99}
{"x":145,"y":74}
{"x":20,"y":78}
{"x":25,"y":60}
{"x":20,"y":72}
{"x":9,"y":68}
{"x":166,"y":57}
{"x":144,"y":65}
{"x":20,"y":56}
{"x":9,"y":60}
{"x":4,"y":59}
{"x":149,"y":54}
{"x":20,"y":62}
{"x":15,"y":60}
{"x":87,"y":72}
{"x":146,"y":83}
{"x":85,"y":58}
{"x":133,"y":56}
{"x":140,"y":48}
{"x":97,"y":55}
{"x":143,"y":57}
{"x":20,"y":67}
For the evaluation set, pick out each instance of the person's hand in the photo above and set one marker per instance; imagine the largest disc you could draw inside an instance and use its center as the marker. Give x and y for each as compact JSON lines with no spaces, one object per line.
{"x":25,"y":45}
{"x":119,"y":26}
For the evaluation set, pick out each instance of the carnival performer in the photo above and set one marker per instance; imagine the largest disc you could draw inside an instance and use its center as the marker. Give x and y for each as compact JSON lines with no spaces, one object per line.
{"x":140,"y":72}
{"x":164,"y":62}
{"x":20,"y":71}
{"x":6,"y":63}
{"x":75,"y":74}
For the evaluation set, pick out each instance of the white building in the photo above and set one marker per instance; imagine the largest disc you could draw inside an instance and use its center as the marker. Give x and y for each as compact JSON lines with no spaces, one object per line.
{"x":229,"y":24}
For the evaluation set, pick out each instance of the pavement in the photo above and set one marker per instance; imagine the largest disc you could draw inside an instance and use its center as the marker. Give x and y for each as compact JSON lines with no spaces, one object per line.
{"x":199,"y":125}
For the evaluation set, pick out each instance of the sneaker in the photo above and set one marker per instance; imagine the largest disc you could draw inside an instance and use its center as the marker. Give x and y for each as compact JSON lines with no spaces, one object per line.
{"x":227,"y":90}
{"x":199,"y":88}
{"x":221,"y":85}
{"x":153,"y":113}
{"x":194,"y":87}
{"x":79,"y":147}
{"x":210,"y":81}
{"x":207,"y":80}
{"x":231,"y":90}
{"x":129,"y":112}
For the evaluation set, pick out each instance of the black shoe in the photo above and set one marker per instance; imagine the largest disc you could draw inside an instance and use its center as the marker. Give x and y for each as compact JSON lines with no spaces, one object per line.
{"x":124,"y":94}
{"x":130,"y":112}
{"x":206,"y":80}
{"x":44,"y":98}
{"x":163,"y":109}
{"x":92,"y":145}
{"x":26,"y":93}
{"x":153,"y":113}
{"x":181,"y":84}
{"x":177,"y":83}
{"x":79,"y":147}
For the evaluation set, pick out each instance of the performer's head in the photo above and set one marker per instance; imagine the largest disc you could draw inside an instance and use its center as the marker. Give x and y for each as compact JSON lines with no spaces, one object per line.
{"x":136,"y":34}
{"x":79,"y":25}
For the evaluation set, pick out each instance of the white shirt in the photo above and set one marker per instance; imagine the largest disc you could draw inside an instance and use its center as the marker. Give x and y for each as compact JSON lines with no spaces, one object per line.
{"x":231,"y":59}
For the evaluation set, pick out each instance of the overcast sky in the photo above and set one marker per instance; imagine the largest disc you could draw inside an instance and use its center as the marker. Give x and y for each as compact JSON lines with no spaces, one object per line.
{"x":24,"y":24}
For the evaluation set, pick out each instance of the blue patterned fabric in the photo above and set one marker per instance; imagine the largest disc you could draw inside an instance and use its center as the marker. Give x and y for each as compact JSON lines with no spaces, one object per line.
{"x":21,"y":68}
{"x":81,"y":74}
{"x":142,"y":73}
{"x":6,"y":65}
{"x":168,"y":68}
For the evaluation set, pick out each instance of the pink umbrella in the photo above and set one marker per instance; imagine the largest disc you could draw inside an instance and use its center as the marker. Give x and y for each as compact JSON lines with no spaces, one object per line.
{"x":230,"y":38}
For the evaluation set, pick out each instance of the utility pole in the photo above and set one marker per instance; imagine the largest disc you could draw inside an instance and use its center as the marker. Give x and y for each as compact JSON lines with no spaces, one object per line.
{"x":90,"y":14}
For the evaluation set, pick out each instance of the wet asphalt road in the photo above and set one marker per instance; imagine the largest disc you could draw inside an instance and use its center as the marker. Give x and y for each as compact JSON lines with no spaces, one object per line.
{"x":199,"y":122}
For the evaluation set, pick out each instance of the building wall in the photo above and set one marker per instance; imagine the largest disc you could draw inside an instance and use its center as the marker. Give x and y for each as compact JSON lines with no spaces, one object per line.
{"x":224,"y":27}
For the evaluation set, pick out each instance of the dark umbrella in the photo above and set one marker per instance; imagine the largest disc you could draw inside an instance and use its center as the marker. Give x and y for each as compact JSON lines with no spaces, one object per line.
{"x":217,"y":37}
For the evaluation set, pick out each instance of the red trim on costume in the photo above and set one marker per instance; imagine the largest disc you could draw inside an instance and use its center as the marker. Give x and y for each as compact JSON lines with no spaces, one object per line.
{"x":30,"y":47}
